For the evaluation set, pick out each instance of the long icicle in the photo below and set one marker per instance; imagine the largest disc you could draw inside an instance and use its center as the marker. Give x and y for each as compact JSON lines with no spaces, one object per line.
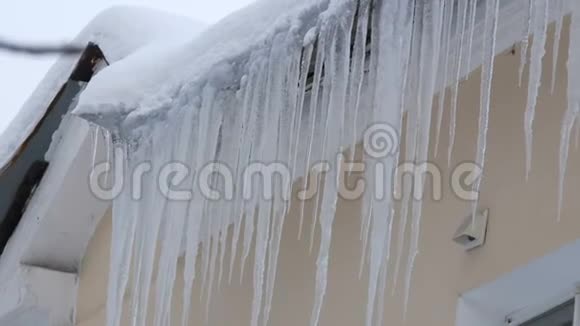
{"x":525,"y":42}
{"x":556,"y":45}
{"x":358,"y":69}
{"x":540,"y":29}
{"x":573,"y":110}
{"x":459,"y":32}
{"x":312,"y":115}
{"x":287,"y":107}
{"x":430,"y":52}
{"x":491,"y":23}
{"x":415,"y":77}
{"x":447,"y":20}
{"x":305,"y":66}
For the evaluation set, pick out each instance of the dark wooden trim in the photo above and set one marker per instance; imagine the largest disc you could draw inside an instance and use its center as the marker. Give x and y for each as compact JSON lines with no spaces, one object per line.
{"x":20,"y":177}
{"x":21,"y":199}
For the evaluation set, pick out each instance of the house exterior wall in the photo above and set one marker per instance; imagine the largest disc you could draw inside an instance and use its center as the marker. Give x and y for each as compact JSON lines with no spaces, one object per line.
{"x":523,"y":226}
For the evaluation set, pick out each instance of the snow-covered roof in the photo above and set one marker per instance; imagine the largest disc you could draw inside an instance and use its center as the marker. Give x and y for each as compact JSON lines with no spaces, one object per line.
{"x":217,"y":56}
{"x":119,"y":31}
{"x":237,"y":94}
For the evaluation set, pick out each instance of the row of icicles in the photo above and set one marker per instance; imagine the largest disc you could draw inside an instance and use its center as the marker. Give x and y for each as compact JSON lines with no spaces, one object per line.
{"x":375,"y":62}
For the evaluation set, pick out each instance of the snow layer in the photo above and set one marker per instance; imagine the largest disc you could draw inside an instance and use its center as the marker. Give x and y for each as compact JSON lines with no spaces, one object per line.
{"x":118,"y":31}
{"x":293,"y":83}
{"x":152,"y":85}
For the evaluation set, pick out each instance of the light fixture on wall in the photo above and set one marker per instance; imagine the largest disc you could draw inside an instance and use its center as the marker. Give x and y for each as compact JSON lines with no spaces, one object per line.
{"x":471,"y":234}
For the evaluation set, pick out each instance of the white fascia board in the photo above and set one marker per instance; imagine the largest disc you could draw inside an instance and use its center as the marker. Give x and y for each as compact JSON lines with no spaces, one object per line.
{"x":524,"y":293}
{"x":40,"y":263}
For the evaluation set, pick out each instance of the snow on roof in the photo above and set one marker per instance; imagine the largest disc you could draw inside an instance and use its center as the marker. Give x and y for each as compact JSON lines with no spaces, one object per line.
{"x":118,"y":31}
{"x":147,"y":82}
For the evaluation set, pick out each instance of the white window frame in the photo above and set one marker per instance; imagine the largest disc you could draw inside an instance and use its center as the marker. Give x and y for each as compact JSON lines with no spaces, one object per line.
{"x":525,"y":293}
{"x":546,"y":282}
{"x":521,"y":318}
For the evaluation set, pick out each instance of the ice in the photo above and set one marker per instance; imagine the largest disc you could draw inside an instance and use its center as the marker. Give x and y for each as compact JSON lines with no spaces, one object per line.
{"x":173,"y":237}
{"x":526,"y":41}
{"x":286,"y":106}
{"x":123,"y":236}
{"x":312,"y":119}
{"x":338,"y":53}
{"x":119,"y":31}
{"x":540,"y":30}
{"x":446,"y":38}
{"x":430,"y":54}
{"x":573,"y":110}
{"x":242,"y":154}
{"x":557,"y":40}
{"x":411,"y":141}
{"x":472,"y":23}
{"x":302,"y":125}
{"x":357,"y":69}
{"x":459,"y":32}
{"x":298,"y":85}
{"x":490,"y":34}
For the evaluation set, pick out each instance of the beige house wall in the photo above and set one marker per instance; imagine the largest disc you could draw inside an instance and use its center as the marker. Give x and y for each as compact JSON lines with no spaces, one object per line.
{"x":523,"y":225}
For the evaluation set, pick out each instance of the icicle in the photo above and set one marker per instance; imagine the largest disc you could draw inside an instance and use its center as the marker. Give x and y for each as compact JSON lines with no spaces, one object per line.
{"x":540,"y":30}
{"x":573,"y":111}
{"x":242,"y":156}
{"x":172,"y":239}
{"x":448,"y":20}
{"x":152,"y":213}
{"x":223,"y":246}
{"x":392,"y":20}
{"x":206,"y":255}
{"x":249,"y":226}
{"x":384,"y":272}
{"x":268,"y":150}
{"x":167,"y":266}
{"x":123,"y":235}
{"x":472,"y":23}
{"x":294,"y":103}
{"x":526,"y":42}
{"x":306,"y":62}
{"x":336,"y":84}
{"x":279,"y":212}
{"x":262,"y":237}
{"x":316,"y":212}
{"x":416,"y":77}
{"x":491,"y":23}
{"x":281,"y":204}
{"x":460,"y":30}
{"x":250,"y":208}
{"x":196,"y":206}
{"x":325,"y":107}
{"x":556,"y":46}
{"x":357,"y":73}
{"x":430,"y":52}
{"x":567,"y":124}
{"x":312,"y":115}
{"x":215,"y":244}
{"x":365,"y":228}
{"x":213,"y":210}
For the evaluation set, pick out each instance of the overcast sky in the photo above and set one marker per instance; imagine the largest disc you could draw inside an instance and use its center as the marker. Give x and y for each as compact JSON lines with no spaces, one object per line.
{"x":60,"y":20}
